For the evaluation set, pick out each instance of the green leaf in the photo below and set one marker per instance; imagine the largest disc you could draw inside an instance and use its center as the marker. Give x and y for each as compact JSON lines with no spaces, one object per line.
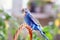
{"x":1,"y":10}
{"x":2,"y":22}
{"x":7,"y":16}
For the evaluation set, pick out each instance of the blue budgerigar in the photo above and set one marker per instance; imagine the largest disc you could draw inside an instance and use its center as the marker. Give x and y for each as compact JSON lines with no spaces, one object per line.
{"x":29,"y":19}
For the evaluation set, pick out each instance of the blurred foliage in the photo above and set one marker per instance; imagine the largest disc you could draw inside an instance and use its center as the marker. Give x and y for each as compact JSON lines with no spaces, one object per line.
{"x":7,"y":16}
{"x":13,"y":26}
{"x":39,"y":2}
{"x":1,"y":10}
{"x":3,"y":29}
{"x":47,"y":30}
{"x":2,"y":37}
{"x":35,"y":37}
{"x":2,"y":22}
{"x":50,"y":31}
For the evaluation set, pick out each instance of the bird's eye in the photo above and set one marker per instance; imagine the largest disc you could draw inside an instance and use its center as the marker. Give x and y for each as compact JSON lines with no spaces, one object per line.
{"x":22,"y":10}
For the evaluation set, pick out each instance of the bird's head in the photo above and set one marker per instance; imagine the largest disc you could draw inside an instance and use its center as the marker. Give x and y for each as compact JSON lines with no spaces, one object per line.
{"x":24,"y":11}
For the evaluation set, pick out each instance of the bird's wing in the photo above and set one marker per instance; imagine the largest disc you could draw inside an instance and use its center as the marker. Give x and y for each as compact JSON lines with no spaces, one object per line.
{"x":33,"y":19}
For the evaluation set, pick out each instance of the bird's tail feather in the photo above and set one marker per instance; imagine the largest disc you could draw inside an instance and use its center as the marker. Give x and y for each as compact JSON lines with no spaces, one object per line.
{"x":41,"y":32}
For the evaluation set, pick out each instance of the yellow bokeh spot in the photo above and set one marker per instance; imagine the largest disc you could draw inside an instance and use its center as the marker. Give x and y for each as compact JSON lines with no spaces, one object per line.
{"x":6,"y":23}
{"x":58,"y":31}
{"x":58,"y":15}
{"x":57,"y":22}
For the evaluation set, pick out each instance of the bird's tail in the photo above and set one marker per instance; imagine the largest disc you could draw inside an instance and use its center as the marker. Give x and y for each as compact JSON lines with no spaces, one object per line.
{"x":41,"y":32}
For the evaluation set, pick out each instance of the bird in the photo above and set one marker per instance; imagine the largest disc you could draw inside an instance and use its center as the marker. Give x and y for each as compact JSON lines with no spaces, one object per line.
{"x":30,"y":20}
